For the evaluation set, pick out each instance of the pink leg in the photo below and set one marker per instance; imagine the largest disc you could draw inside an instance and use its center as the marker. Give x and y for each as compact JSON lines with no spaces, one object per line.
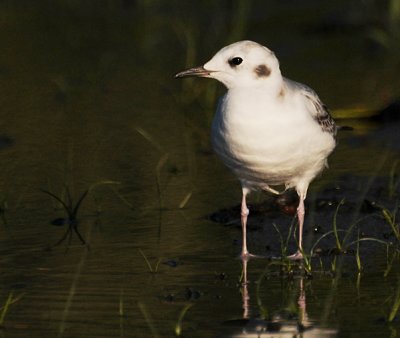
{"x":244,"y":212}
{"x":300,"y":217}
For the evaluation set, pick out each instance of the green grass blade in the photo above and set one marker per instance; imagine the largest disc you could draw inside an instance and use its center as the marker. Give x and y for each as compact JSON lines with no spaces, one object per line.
{"x":369,"y":239}
{"x":306,"y":261}
{"x":321,"y":238}
{"x":185,"y":200}
{"x":395,"y":306}
{"x":122,"y":199}
{"x":147,"y":261}
{"x":157,"y":265}
{"x":335,"y":231}
{"x":5,"y":308}
{"x":358,"y":258}
{"x":389,"y":218}
{"x":333,"y":264}
{"x":178,"y":326}
{"x":291,"y":230}
{"x":350,"y":229}
{"x":148,"y":320}
{"x":389,"y":262}
{"x":150,"y":139}
{"x":283,"y":248}
{"x":105,"y":182}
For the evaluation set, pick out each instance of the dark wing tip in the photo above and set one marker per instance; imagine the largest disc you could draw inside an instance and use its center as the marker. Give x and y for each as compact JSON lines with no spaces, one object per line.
{"x":322,"y":115}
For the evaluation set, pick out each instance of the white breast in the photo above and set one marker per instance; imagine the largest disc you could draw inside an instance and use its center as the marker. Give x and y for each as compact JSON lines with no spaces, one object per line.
{"x":273,"y":142}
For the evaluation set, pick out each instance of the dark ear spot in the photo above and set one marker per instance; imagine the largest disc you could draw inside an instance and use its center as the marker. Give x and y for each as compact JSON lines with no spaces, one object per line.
{"x":262,"y":71}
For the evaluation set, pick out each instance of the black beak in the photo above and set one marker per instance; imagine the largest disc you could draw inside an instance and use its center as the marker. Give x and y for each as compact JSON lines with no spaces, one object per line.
{"x":197,"y":71}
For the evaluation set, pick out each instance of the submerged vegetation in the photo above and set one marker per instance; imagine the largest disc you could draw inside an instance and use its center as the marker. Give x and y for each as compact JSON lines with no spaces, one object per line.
{"x":71,"y":210}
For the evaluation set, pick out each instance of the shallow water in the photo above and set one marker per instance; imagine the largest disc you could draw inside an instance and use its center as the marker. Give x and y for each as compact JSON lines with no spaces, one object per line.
{"x":88,"y":97}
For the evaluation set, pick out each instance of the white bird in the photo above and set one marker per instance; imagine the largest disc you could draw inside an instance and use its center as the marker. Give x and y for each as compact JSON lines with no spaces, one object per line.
{"x":267,"y":129}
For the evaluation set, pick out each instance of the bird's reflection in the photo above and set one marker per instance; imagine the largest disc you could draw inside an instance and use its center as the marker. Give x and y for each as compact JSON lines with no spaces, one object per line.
{"x":301,"y":300}
{"x":252,"y":326}
{"x":245,"y":290}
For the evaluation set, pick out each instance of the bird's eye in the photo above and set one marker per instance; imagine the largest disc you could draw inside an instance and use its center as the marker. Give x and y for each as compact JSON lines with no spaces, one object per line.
{"x":236,"y":61}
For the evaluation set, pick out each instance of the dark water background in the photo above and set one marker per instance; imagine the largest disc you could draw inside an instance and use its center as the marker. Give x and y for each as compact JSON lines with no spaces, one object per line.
{"x":88,"y":96}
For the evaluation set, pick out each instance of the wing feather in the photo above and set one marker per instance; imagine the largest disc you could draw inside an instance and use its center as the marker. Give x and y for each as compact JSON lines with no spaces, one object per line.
{"x":321,"y":113}
{"x":319,"y":110}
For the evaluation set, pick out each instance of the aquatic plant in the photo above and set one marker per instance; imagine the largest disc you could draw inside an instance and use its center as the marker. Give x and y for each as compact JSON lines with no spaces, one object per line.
{"x":285,"y":263}
{"x":150,"y":322}
{"x":185,"y":200}
{"x":163,"y":160}
{"x":395,"y":306}
{"x":394,"y":180}
{"x":358,"y":258}
{"x":334,"y":264}
{"x":306,"y":263}
{"x":160,"y":164}
{"x":390,"y":218}
{"x":390,"y":259}
{"x":178,"y":326}
{"x":343,"y":244}
{"x":285,"y":243}
{"x":339,"y":245}
{"x":148,"y":319}
{"x":71,"y":209}
{"x":4,"y":309}
{"x":150,"y":267}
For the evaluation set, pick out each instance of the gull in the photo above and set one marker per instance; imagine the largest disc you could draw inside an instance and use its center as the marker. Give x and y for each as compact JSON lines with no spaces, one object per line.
{"x":269,"y":130}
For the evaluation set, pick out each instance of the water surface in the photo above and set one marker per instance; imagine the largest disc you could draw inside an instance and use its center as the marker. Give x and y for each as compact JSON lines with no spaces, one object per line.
{"x":88,"y":96}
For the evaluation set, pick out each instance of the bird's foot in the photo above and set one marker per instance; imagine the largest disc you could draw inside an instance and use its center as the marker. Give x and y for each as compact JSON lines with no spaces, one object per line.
{"x":245,"y":256}
{"x":296,"y":256}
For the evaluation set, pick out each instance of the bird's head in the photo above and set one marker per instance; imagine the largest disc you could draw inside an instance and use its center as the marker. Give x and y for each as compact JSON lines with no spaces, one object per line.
{"x":241,"y":64}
